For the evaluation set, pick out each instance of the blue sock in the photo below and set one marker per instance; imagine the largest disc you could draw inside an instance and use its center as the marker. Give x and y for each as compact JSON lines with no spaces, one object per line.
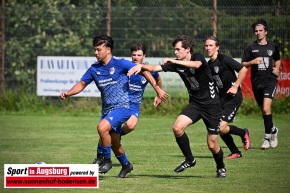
{"x":107,"y":152}
{"x":100,"y":150}
{"x":123,"y":159}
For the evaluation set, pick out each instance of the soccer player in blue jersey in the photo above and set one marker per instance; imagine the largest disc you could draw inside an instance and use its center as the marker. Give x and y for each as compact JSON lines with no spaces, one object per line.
{"x":110,"y":76}
{"x":263,"y":57}
{"x":137,"y":84}
{"x":203,"y":100}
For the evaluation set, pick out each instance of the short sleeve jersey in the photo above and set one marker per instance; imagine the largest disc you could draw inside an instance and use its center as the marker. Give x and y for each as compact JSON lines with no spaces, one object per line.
{"x":137,"y":86}
{"x":223,"y":70}
{"x":112,"y":81}
{"x":268,"y":52}
{"x":199,"y":82}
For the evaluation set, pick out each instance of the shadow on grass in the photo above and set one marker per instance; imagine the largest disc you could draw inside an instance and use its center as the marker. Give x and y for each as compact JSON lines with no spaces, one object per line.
{"x":132,"y":176}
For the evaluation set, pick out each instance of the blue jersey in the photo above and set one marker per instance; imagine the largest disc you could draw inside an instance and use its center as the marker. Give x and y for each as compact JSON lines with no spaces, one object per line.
{"x":112,"y":81}
{"x":137,"y":86}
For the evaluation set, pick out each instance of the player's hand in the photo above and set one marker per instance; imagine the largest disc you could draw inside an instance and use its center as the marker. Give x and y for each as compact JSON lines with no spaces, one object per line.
{"x":157,"y":102}
{"x":162,"y":94}
{"x":167,"y":61}
{"x":276,"y":71}
{"x":135,"y":70}
{"x":257,"y":60}
{"x":63,"y":95}
{"x":232,"y":91}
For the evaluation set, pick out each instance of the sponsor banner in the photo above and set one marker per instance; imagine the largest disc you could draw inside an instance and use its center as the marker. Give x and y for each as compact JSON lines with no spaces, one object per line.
{"x":51,"y":176}
{"x":56,"y":74}
{"x":283,"y":88}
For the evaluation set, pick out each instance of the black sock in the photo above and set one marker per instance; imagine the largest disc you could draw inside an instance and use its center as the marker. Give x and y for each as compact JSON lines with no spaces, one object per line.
{"x":183,"y":143}
{"x":219,"y":159}
{"x":228,"y":139}
{"x":268,"y":123}
{"x":237,"y":131}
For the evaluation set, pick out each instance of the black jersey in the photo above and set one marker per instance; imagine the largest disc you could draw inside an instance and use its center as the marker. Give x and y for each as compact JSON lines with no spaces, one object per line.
{"x":268,"y":52}
{"x":199,"y":82}
{"x":223,"y":70}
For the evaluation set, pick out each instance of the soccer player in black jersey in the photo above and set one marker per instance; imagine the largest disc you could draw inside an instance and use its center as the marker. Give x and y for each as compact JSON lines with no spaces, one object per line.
{"x":203,"y":100}
{"x":264,"y":59}
{"x":223,"y":70}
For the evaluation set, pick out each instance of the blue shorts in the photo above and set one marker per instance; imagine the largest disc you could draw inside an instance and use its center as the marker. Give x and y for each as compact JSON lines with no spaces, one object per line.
{"x":135,"y":109}
{"x":117,"y":117}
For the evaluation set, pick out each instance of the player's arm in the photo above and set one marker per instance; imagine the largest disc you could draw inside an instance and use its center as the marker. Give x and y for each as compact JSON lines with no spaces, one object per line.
{"x":77,"y":88}
{"x":157,"y":100}
{"x":255,"y":61}
{"x":160,"y":93}
{"x":277,"y":68}
{"x":142,"y":67}
{"x":189,"y":64}
{"x":241,"y":76}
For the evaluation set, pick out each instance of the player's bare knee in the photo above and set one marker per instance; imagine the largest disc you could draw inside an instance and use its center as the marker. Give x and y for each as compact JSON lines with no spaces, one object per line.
{"x":177,"y":131}
{"x":223,"y":128}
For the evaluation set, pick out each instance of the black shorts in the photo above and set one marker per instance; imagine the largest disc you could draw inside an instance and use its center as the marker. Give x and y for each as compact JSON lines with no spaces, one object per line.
{"x":263,"y":90}
{"x":231,"y":106}
{"x":210,"y":114}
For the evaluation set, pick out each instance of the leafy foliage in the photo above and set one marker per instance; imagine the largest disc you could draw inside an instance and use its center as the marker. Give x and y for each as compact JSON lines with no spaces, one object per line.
{"x":66,"y":28}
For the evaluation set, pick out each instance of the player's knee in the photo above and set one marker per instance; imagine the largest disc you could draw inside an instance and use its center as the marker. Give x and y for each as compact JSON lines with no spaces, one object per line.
{"x":266,"y":110}
{"x":129,"y":127}
{"x":102,"y":130}
{"x":177,"y":131}
{"x":223,"y":128}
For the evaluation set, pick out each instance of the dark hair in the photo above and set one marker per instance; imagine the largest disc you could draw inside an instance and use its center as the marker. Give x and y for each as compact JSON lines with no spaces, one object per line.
{"x":260,"y":22}
{"x":217,"y":42}
{"x":187,"y":42}
{"x":139,"y":46}
{"x":103,"y":39}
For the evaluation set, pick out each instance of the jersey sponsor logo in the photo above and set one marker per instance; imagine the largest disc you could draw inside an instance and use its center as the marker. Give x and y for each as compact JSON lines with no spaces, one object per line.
{"x":98,"y":73}
{"x":143,"y":80}
{"x":111,"y":118}
{"x":216,"y":69}
{"x":264,"y":64}
{"x":269,"y":52}
{"x":112,"y":70}
{"x":255,"y":50}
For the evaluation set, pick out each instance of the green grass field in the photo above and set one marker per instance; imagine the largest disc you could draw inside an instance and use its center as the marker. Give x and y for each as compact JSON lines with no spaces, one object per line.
{"x":152,"y":150}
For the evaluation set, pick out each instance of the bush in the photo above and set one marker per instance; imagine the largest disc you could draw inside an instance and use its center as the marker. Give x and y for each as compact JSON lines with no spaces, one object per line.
{"x":21,"y":102}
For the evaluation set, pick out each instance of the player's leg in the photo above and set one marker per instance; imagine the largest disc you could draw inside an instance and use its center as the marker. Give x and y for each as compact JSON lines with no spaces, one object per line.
{"x":120,"y":154}
{"x":100,"y":158}
{"x":186,"y":117}
{"x":217,"y":152}
{"x":211,"y":116}
{"x":113,"y":120}
{"x":130,"y":125}
{"x":230,"y":109}
{"x":271,"y":132}
{"x":229,"y":141}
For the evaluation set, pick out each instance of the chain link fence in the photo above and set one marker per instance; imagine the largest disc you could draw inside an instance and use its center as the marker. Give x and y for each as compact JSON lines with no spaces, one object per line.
{"x":155,"y":23}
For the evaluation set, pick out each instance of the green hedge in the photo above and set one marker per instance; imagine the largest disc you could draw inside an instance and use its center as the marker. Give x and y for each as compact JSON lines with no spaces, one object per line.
{"x":21,"y":102}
